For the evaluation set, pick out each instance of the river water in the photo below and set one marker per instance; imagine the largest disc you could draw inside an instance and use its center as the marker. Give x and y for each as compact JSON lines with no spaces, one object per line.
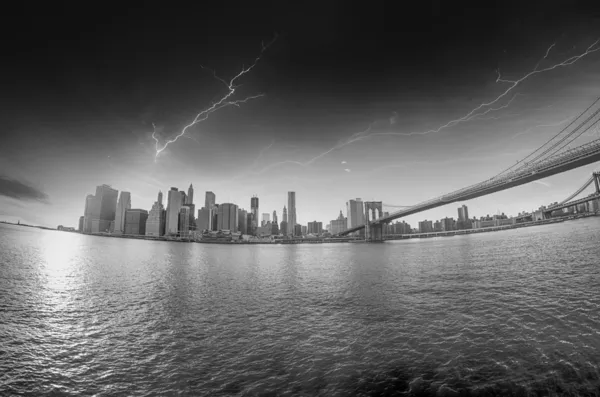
{"x":515,"y":312}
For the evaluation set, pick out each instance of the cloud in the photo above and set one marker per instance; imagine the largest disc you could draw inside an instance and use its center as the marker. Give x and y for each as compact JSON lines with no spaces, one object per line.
{"x":394,"y":118}
{"x":344,"y":162}
{"x":347,"y":170}
{"x":19,"y":190}
{"x":547,"y":184}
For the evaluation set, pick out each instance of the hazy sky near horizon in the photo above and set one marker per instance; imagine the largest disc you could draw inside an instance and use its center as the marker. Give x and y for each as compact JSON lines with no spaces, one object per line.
{"x":84,"y":89}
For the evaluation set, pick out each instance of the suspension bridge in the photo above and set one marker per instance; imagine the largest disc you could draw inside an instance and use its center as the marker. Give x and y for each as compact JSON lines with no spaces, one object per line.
{"x":553,"y":157}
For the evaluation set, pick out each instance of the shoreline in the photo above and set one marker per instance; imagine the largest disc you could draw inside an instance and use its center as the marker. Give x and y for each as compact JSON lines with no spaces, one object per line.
{"x":328,"y":240}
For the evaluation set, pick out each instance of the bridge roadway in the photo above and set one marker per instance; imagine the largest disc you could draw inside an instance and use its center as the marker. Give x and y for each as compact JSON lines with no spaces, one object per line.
{"x":549,"y":210}
{"x":570,"y":159}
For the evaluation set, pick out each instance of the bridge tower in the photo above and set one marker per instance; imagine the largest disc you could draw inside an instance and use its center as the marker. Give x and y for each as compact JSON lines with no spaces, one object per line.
{"x":597,"y":181}
{"x":373,"y":211}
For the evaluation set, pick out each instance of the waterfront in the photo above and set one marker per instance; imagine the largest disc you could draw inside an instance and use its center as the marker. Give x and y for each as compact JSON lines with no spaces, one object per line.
{"x":515,"y":312}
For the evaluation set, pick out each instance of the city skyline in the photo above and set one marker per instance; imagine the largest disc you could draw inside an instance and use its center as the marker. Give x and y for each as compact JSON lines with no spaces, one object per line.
{"x":296,"y":137}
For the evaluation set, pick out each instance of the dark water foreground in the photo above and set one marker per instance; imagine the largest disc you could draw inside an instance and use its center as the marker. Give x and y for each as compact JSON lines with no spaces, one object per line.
{"x":507,"y":313}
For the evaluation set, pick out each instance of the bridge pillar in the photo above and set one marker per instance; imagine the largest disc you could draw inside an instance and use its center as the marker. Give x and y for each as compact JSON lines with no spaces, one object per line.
{"x":376,"y":232}
{"x":597,"y":181}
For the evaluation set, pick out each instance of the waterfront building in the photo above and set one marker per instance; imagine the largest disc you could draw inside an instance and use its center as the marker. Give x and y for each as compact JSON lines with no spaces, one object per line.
{"x":292,"y":212}
{"x":425,"y":226}
{"x":338,"y":225}
{"x":265,"y":218}
{"x":297,"y":231}
{"x":135,"y":221}
{"x":448,"y":224}
{"x":183,"y":225}
{"x":203,"y":221}
{"x":191,"y":211}
{"x":242,"y":221}
{"x":303,"y":230}
{"x":355,"y":212}
{"x":80,"y":228}
{"x":174,"y":202}
{"x":227,"y":217}
{"x":265,"y":230}
{"x":275,"y":217}
{"x":249,"y":223}
{"x":100,"y":209}
{"x":437,"y":226}
{"x":254,"y":212}
{"x":315,"y":227}
{"x":283,"y":228}
{"x":209,"y":200}
{"x":274,"y":229}
{"x":123,"y":205}
{"x":155,"y":224}
{"x":284,"y":216}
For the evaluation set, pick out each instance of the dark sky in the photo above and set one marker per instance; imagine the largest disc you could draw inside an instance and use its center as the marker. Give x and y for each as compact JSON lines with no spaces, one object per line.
{"x":83,"y":85}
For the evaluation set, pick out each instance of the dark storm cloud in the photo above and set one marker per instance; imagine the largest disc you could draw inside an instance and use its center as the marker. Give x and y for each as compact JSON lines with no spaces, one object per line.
{"x":19,"y":190}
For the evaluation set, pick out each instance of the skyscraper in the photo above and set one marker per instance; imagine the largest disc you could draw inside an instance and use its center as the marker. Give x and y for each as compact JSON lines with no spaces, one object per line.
{"x":190,"y":195}
{"x":275,"y":217}
{"x":356,"y":213}
{"x":100,"y":209}
{"x":123,"y":205}
{"x":254,"y":212}
{"x":265,"y":219}
{"x":184,"y":221}
{"x":292,"y":213}
{"x":242,"y":218}
{"x":209,"y":200}
{"x":174,"y":201}
{"x":135,"y":222}
{"x":284,"y":216}
{"x":155,"y":224}
{"x":227,"y":218}
{"x":160,"y":197}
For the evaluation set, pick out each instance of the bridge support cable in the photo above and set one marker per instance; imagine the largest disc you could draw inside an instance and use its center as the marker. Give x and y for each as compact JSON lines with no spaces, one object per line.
{"x":566,"y":128}
{"x":581,"y":189}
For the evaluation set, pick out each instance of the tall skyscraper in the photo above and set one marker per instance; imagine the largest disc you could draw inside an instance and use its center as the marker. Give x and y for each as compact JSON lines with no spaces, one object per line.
{"x":190,"y":195}
{"x":275,"y":218}
{"x":155,"y":224}
{"x":123,"y":205}
{"x":292,"y":213}
{"x":209,"y":200}
{"x":242,"y":219}
{"x":284,"y":216}
{"x":184,"y":221}
{"x":356,"y":213}
{"x":174,"y":201}
{"x":135,"y":221}
{"x":100,"y":209}
{"x":265,"y":219}
{"x":227,"y":218}
{"x":254,"y":212}
{"x":339,"y":225}
{"x":160,"y":197}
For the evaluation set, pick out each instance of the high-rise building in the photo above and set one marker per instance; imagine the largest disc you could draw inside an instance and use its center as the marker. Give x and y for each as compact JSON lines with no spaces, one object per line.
{"x":292,"y":212}
{"x":184,"y":221}
{"x":191,"y":211}
{"x":249,"y":223}
{"x":283,"y":228}
{"x":315,"y":227}
{"x":242,"y":219}
{"x":304,"y":230}
{"x":155,"y":224}
{"x":426,"y":226}
{"x":254,"y":211}
{"x":297,"y":230}
{"x":355,"y":211}
{"x":123,"y":205}
{"x":284,"y":216}
{"x":160,"y":197}
{"x":214,"y":212}
{"x":135,"y":222}
{"x":227,"y":218}
{"x":204,"y":219}
{"x":209,"y":200}
{"x":174,"y":201}
{"x":190,"y":195}
{"x":274,"y":228}
{"x":339,"y":225}
{"x":100,"y":209}
{"x":275,"y":217}
{"x":80,"y":228}
{"x":463,"y":213}
{"x":265,"y":218}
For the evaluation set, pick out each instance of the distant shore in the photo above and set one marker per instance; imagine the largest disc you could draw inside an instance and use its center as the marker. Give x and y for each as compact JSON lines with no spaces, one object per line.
{"x":326,"y":240}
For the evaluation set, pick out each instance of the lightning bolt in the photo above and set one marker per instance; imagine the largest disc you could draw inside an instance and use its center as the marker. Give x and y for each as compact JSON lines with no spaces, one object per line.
{"x":221,"y":103}
{"x":475,"y":113}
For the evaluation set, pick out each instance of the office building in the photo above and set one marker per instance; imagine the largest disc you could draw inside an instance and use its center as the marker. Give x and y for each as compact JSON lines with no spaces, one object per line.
{"x":274,"y":229}
{"x":204,"y":219}
{"x":283,"y":228}
{"x":100,"y":209}
{"x":155,"y":224}
{"x":355,"y":211}
{"x":123,"y":205}
{"x":184,"y":221}
{"x":135,"y":221}
{"x":209,"y":200}
{"x":338,"y":225}
{"x":174,"y":202}
{"x":227,"y":217}
{"x":249,"y":223}
{"x":426,"y":226}
{"x":190,"y":195}
{"x":297,"y":230}
{"x":304,"y":230}
{"x":242,"y":221}
{"x":80,"y":228}
{"x":265,"y":219}
{"x":284,"y":216}
{"x":315,"y":227}
{"x":254,"y":212}
{"x":275,"y":217}
{"x":292,"y":212}
{"x":448,"y":224}
{"x":191,"y":211}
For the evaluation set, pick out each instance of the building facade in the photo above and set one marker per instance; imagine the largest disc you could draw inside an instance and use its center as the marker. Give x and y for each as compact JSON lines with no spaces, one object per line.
{"x":155,"y":224}
{"x":254,"y":211}
{"x":355,"y":211}
{"x":100,"y":209}
{"x":292,"y":212}
{"x":227,"y":218}
{"x":315,"y":227}
{"x":123,"y":205}
{"x":135,"y":222}
{"x":173,"y":206}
